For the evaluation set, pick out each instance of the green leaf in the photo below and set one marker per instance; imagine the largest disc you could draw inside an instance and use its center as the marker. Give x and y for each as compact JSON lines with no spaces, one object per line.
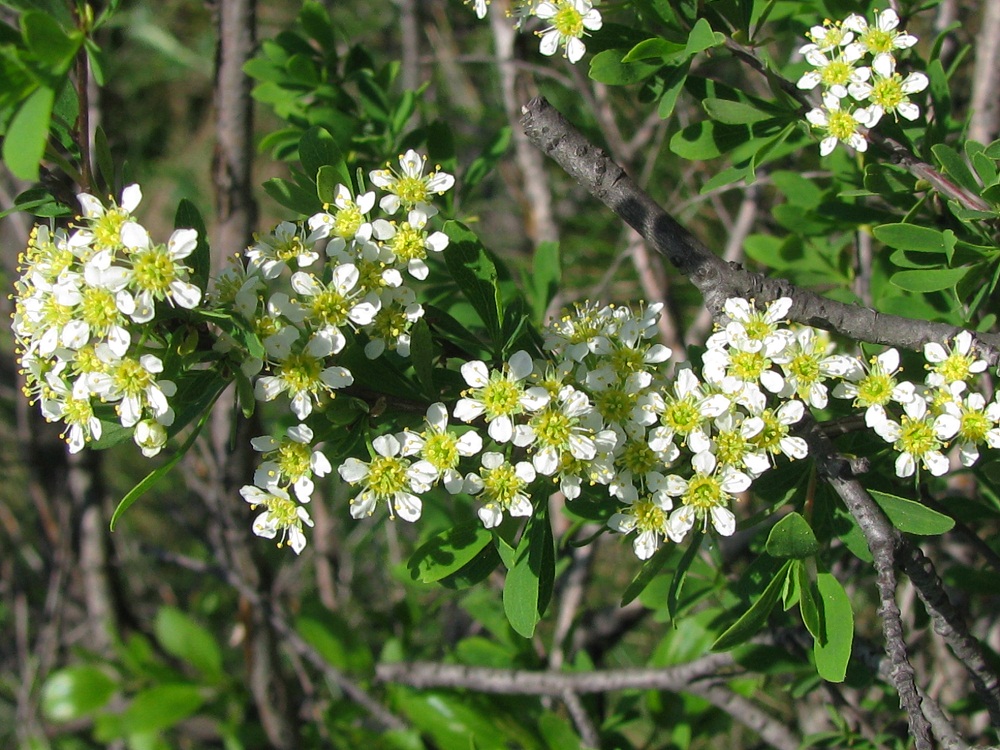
{"x":792,"y":537}
{"x":928,"y":281}
{"x":327,"y":179}
{"x":24,"y":143}
{"x":680,"y":575}
{"x":189,"y":217}
{"x":702,"y":38}
{"x":655,"y":48}
{"x":545,"y":278}
{"x":912,"y":517}
{"x":528,"y":585}
{"x":422,"y":355}
{"x":809,"y":608}
{"x":75,"y":692}
{"x":319,"y":149}
{"x":754,"y":618}
{"x":734,"y":113}
{"x":673,"y":83}
{"x":181,"y":636}
{"x":955,"y":166}
{"x":915,"y":239}
{"x":448,"y":551}
{"x":476,"y":275}
{"x":834,"y":651}
{"x":649,"y":570}
{"x":609,"y":67}
{"x":160,"y":707}
{"x":292,"y":196}
{"x":48,"y":43}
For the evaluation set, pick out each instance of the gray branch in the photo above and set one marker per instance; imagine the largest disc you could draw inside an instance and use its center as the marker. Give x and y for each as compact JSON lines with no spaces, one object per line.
{"x":715,"y":279}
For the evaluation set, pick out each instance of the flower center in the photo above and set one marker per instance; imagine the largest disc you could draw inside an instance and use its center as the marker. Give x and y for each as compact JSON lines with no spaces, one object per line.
{"x":502,"y":485}
{"x":748,"y":366}
{"x":410,"y":190}
{"x":649,"y":517}
{"x":553,"y":428}
{"x":301,"y":372}
{"x":347,"y":222}
{"x":917,"y":436}
{"x":888,"y":93}
{"x":730,"y":448}
{"x":441,"y":451}
{"x":878,"y":40}
{"x":682,"y":416}
{"x":769,"y":438}
{"x":837,"y":72}
{"x":973,"y":426}
{"x":293,"y":459}
{"x":568,"y":21}
{"x":386,"y":476}
{"x":876,"y":388}
{"x":98,"y":309}
{"x":841,"y":125}
{"x":638,"y":458}
{"x":615,"y":404}
{"x":153,"y":270}
{"x":704,"y":492}
{"x":331,"y":307}
{"x":501,"y":397}
{"x":288,"y":248}
{"x":107,"y":228}
{"x":131,"y":378}
{"x":408,"y":243}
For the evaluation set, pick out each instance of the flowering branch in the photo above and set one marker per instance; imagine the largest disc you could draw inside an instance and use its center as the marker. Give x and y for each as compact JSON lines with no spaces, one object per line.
{"x":715,"y":279}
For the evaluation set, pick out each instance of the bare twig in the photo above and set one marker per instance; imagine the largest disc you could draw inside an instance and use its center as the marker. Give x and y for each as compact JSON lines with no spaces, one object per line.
{"x":771,"y":730}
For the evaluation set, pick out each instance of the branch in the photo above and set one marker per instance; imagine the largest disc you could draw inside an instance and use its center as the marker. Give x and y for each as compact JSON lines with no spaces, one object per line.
{"x":950,"y":625}
{"x":522,"y":682}
{"x":680,"y":679}
{"x":715,"y":279}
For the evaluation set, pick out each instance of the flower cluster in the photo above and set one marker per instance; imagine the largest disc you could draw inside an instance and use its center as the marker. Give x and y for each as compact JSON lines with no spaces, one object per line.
{"x":922,"y":421}
{"x":85,"y":320}
{"x":854,"y":64}
{"x":565,"y":23}
{"x":307,"y":289}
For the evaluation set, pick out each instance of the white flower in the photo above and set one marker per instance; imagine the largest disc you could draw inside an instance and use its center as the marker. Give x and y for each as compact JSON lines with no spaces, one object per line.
{"x":104,"y":225}
{"x":975,"y":422}
{"x":570,"y":20}
{"x":409,"y":243}
{"x":883,"y":37}
{"x":303,"y":375}
{"x":873,"y":386}
{"x":479,"y":6}
{"x":919,"y":436}
{"x":682,"y":410}
{"x":838,"y":124}
{"x":273,"y":252}
{"x":705,"y":496}
{"x":133,"y":385}
{"x":837,"y":73}
{"x":388,"y":478}
{"x":331,"y":306}
{"x":889,"y":92}
{"x":499,"y":395}
{"x":557,"y":429}
{"x":290,"y":462}
{"x":648,"y":516}
{"x":281,"y":514}
{"x":502,"y":485}
{"x":157,"y":272}
{"x":410,"y":188}
{"x":440,"y":450}
{"x":150,"y":436}
{"x":348,"y":224}
{"x":60,"y":403}
{"x":957,"y":363}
